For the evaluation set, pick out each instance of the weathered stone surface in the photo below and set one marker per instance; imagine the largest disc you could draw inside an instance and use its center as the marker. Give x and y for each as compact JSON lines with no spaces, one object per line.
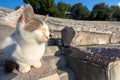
{"x":51,"y":60}
{"x":11,"y":18}
{"x":57,"y":24}
{"x":65,"y":74}
{"x":89,"y":38}
{"x":115,"y":38}
{"x":5,"y":31}
{"x":93,"y":26}
{"x":98,"y":64}
{"x":114,"y":70}
{"x":53,"y":77}
{"x":51,"y":50}
{"x":55,"y":61}
{"x":87,"y":71}
{"x":101,"y":56}
{"x":4,"y":11}
{"x":44,"y":73}
{"x":67,"y":35}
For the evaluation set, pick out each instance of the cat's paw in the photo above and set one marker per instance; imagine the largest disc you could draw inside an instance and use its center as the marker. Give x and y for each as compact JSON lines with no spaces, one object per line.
{"x":37,"y":65}
{"x":24,"y":69}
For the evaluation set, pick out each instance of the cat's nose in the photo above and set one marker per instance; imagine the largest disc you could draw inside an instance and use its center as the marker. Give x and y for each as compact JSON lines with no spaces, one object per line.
{"x":47,"y":37}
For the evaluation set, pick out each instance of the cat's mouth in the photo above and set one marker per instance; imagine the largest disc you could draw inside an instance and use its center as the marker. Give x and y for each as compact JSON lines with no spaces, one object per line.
{"x":42,"y":41}
{"x":46,"y":37}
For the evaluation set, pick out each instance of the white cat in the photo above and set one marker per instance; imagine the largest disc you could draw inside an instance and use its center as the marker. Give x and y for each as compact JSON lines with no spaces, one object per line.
{"x":26,"y":45}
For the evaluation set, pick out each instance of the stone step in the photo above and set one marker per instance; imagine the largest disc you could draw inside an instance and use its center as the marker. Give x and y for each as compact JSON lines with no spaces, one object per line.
{"x":0,"y":51}
{"x":43,"y":73}
{"x":55,"y":61}
{"x":65,"y":74}
{"x":51,"y":51}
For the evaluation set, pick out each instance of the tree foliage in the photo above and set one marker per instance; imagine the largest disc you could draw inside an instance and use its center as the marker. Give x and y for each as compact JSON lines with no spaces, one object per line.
{"x":17,"y":7}
{"x":100,"y":11}
{"x":80,"y":11}
{"x":115,"y":12}
{"x":42,"y":6}
{"x":62,"y":8}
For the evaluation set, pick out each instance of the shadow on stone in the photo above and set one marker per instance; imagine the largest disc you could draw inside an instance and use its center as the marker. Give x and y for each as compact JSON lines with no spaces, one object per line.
{"x":77,"y":59}
{"x":84,"y":69}
{"x":96,"y":64}
{"x":9,"y":49}
{"x":5,"y":31}
{"x":64,"y":72}
{"x":54,"y":42}
{"x":6,"y":76}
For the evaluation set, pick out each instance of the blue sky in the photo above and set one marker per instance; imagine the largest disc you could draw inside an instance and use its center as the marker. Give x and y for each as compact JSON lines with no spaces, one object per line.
{"x":89,"y":3}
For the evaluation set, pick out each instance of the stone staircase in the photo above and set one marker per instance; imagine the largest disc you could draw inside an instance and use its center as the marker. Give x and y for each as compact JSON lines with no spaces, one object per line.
{"x":54,"y":68}
{"x":58,"y":63}
{"x":54,"y":64}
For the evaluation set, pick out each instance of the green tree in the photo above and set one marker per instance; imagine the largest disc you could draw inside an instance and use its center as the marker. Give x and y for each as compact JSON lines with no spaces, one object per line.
{"x":43,"y":6}
{"x":115,"y":12}
{"x":80,"y":12}
{"x":100,"y":11}
{"x":17,"y":7}
{"x":62,"y":9}
{"x":34,"y":4}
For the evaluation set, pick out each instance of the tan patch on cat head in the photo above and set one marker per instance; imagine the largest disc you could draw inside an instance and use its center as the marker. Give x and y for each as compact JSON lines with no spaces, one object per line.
{"x":33,"y":25}
{"x":28,"y":19}
{"x":28,"y":13}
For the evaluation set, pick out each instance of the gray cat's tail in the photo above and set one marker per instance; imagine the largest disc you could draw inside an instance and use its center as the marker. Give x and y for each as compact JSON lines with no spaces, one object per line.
{"x":9,"y":66}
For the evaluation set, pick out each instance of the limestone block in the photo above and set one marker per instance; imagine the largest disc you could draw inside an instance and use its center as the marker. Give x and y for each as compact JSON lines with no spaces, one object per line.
{"x":55,"y":61}
{"x":115,"y":38}
{"x":114,"y":70}
{"x":65,"y":74}
{"x":89,"y":38}
{"x":51,"y":60}
{"x":100,"y":64}
{"x":11,"y":18}
{"x":51,"y":50}
{"x":59,"y":23}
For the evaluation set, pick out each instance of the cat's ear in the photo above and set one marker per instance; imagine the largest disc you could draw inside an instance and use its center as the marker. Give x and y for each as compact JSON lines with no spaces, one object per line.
{"x":27,"y":14}
{"x":46,"y":17}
